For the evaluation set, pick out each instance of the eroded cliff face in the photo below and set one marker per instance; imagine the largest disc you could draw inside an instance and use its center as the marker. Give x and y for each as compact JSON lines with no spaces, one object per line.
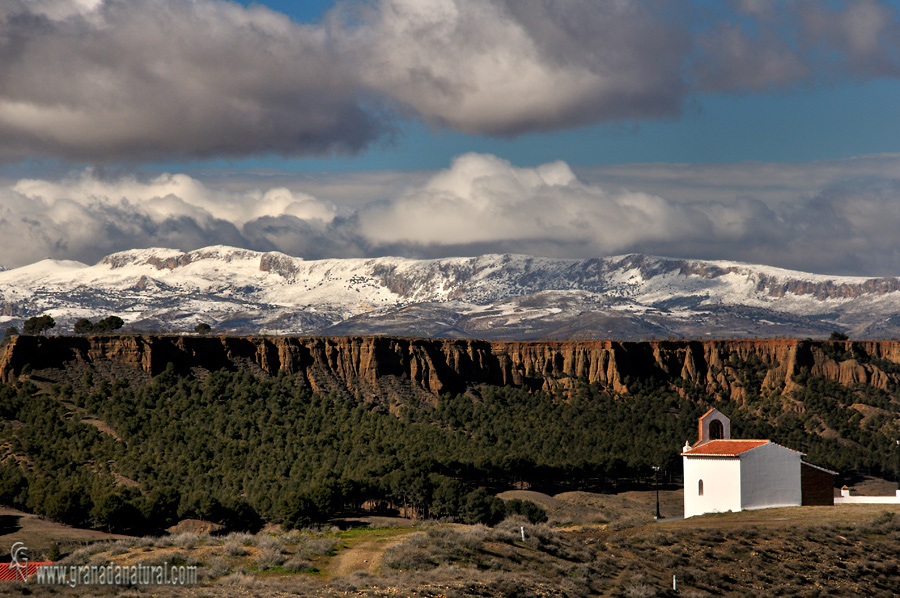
{"x":396,"y":368}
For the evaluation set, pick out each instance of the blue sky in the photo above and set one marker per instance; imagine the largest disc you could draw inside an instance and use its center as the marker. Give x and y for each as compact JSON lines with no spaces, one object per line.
{"x":752,"y":130}
{"x":842,"y":121}
{"x":307,"y":11}
{"x":837,"y":120}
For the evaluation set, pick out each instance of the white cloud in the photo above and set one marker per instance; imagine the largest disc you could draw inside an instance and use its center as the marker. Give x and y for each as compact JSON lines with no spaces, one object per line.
{"x":774,"y":183}
{"x":837,"y":217}
{"x":86,"y":217}
{"x":483,"y":200}
{"x":176,"y":196}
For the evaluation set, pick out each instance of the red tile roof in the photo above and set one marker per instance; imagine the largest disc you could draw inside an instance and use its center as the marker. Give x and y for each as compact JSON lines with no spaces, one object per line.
{"x":708,"y":412}
{"x":700,"y":424}
{"x":725,"y":448}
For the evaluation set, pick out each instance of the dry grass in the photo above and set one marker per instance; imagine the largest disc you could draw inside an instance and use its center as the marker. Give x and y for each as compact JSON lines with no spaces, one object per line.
{"x":233,"y":548}
{"x":805,"y":552}
{"x":309,"y":545}
{"x":299,"y":565}
{"x":267,"y":558}
{"x":242,"y":538}
{"x":269,"y":543}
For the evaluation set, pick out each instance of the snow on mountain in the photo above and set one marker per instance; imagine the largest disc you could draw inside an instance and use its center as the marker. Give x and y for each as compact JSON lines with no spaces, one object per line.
{"x":492,"y":296}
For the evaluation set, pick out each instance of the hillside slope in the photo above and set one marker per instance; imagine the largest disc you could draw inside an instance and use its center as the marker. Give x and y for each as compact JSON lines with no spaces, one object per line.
{"x":125,"y":432}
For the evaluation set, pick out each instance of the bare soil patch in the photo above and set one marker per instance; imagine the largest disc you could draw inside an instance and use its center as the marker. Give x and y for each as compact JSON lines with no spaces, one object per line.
{"x":577,"y":508}
{"x":870,"y":486}
{"x":365,"y":556}
{"x":560,"y":510}
{"x":785,"y":517}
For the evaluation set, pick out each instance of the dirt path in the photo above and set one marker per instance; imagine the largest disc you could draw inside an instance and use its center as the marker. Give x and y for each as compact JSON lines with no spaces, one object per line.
{"x":365,"y":556}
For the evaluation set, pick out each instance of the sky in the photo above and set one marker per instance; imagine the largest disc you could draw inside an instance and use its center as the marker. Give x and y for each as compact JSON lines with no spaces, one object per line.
{"x":763,"y":131}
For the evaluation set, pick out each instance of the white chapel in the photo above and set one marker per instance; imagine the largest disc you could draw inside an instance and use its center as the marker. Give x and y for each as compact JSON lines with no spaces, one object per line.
{"x":724,"y":474}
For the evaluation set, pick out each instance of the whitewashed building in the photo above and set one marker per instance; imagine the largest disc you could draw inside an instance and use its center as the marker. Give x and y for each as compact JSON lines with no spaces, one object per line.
{"x":723,"y":474}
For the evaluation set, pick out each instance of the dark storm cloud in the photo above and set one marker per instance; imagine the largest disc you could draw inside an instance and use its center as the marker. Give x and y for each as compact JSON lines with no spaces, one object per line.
{"x":114,"y":80}
{"x":777,"y":44}
{"x":506,"y":67}
{"x":310,"y":239}
{"x":134,"y":80}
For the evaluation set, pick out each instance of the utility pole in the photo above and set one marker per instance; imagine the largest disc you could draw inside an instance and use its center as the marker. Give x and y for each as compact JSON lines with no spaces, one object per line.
{"x":656,"y":470}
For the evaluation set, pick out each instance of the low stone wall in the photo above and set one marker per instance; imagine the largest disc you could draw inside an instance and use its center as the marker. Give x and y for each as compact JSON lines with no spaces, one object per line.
{"x":880,"y":500}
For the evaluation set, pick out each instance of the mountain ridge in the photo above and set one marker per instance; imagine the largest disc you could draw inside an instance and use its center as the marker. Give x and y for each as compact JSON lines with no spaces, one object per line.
{"x":494,"y":296}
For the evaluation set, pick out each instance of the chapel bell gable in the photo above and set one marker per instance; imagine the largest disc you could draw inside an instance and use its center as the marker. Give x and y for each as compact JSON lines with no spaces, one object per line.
{"x":713,"y":426}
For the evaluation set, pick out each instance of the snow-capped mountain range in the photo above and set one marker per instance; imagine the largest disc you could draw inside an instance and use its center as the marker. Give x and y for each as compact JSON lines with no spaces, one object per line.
{"x":631,"y":297}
